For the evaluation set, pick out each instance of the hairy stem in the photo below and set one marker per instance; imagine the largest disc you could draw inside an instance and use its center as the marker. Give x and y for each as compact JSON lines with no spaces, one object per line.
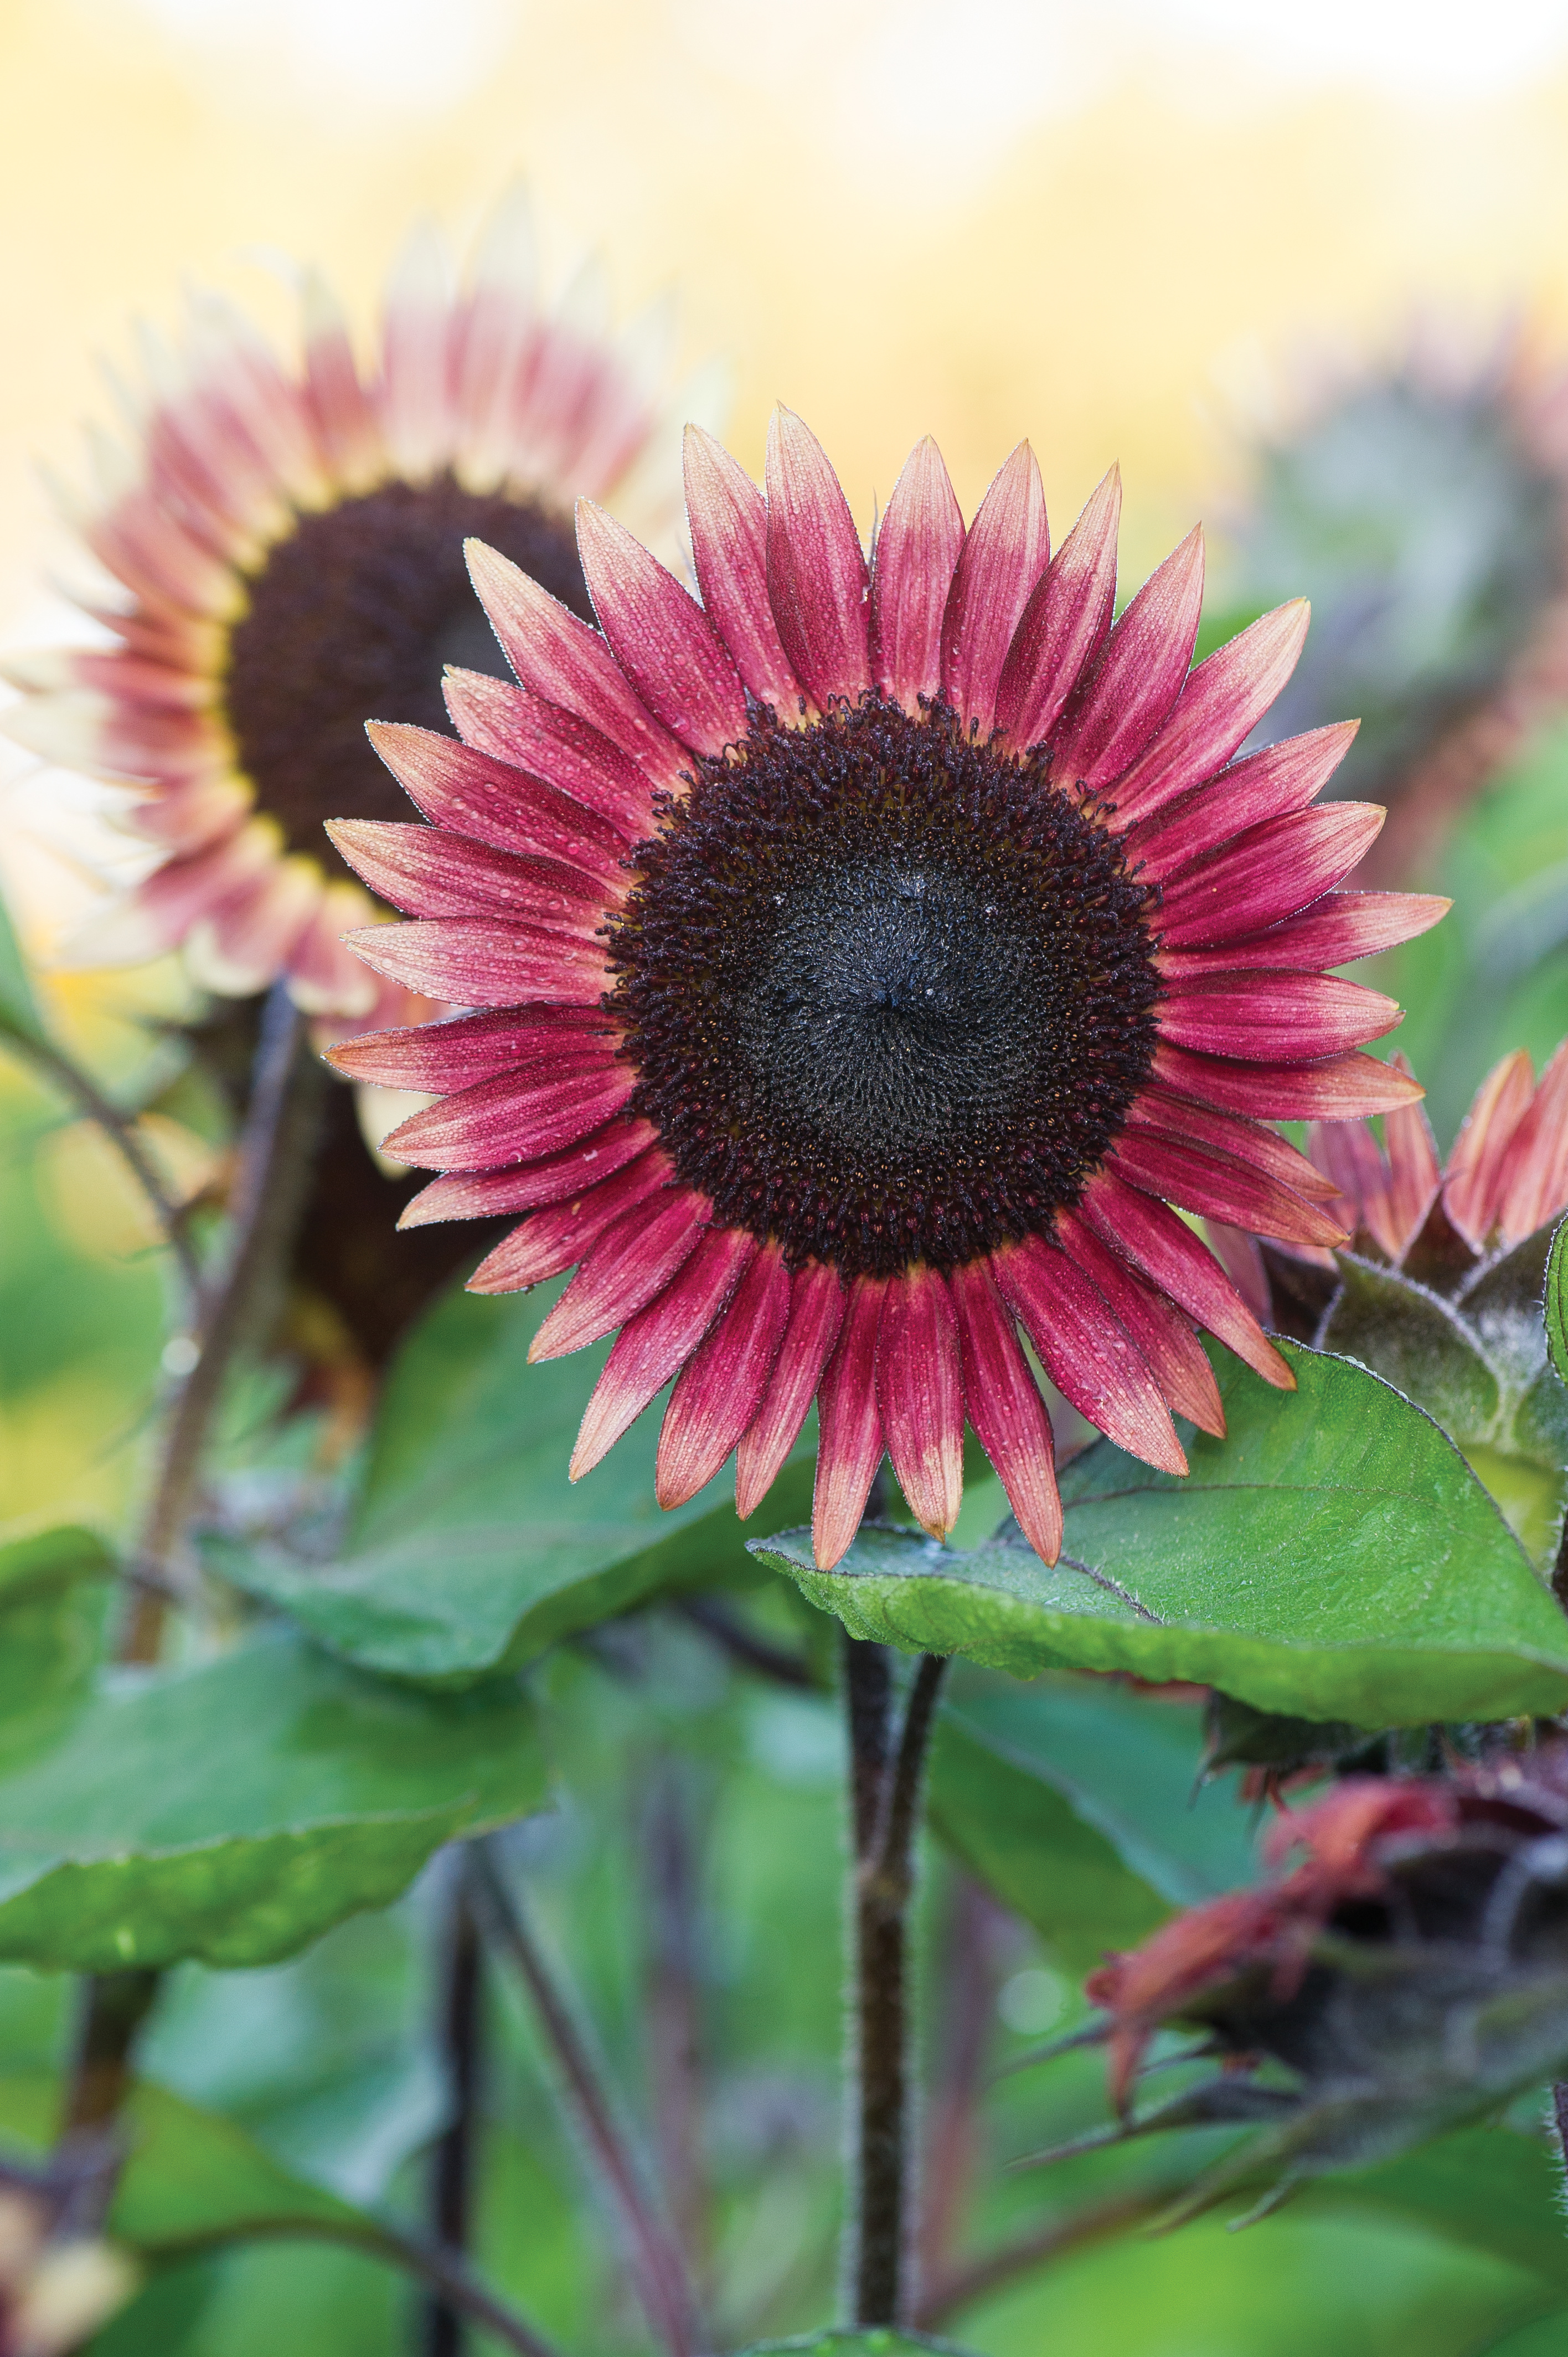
{"x":884,"y":1789}
{"x":453,"y":2170}
{"x":659,"y":2269}
{"x":120,"y":1129}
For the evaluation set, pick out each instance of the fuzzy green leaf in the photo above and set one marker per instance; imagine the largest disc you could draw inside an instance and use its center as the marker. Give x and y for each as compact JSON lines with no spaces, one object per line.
{"x":234,"y":1811}
{"x":1556,"y":1301}
{"x":1333,"y":1559}
{"x":1078,"y":1804}
{"x":469,"y":1550}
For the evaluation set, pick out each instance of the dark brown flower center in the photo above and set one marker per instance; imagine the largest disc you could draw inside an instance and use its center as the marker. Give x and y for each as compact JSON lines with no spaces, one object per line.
{"x":350,"y":619}
{"x":889,"y":992}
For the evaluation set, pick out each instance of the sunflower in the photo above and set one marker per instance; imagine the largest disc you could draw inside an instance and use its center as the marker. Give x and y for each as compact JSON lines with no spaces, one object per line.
{"x":288,"y":544}
{"x":862,"y":961}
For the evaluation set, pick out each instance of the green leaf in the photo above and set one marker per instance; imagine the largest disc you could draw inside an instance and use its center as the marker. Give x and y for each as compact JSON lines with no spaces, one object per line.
{"x":1334,"y":1558}
{"x":53,"y":1591}
{"x":469,"y":1550}
{"x":19,"y":1013}
{"x":1078,"y":1804}
{"x":870,"y":2341}
{"x":1556,"y":1301}
{"x":234,"y":1811}
{"x":1490,"y":2188}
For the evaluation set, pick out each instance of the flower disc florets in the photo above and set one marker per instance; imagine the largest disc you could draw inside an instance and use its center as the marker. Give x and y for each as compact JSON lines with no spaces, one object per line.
{"x":886,"y":990}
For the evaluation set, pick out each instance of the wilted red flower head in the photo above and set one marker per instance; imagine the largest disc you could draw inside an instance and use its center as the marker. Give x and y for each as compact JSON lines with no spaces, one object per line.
{"x":865,"y":958}
{"x":286,"y":546}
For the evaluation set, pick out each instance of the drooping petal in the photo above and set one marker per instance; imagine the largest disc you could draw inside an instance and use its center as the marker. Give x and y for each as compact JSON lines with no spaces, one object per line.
{"x":1335,"y":1088}
{"x":471,"y":964}
{"x":1533,"y":1182}
{"x":1260,"y":1016}
{"x":816,"y":571}
{"x":849,"y":1447}
{"x":505,"y":721}
{"x":1146,"y":662}
{"x":622,"y":1272}
{"x":565,"y":1230}
{"x":1415,"y":1172}
{"x":561,"y":658}
{"x":431,"y":872}
{"x":1281,"y":779}
{"x":1237,"y":1252}
{"x":1184,"y":1172}
{"x":1007,"y":550}
{"x":1350,"y":1156}
{"x":1005,"y":1408}
{"x":657,"y":1342}
{"x":1269,"y":872}
{"x":1085,"y":1350}
{"x":516,"y":1117}
{"x":1167,"y":1343}
{"x":1473,"y":1182}
{"x":1219,"y":705}
{"x":728,"y":519}
{"x":659,"y":636}
{"x":474,"y":794}
{"x":918,"y":547}
{"x":1065,"y":623}
{"x":486,"y":1194}
{"x":919,"y":1393}
{"x":721,"y":1388}
{"x":1165,"y":1249}
{"x":817,"y":1303}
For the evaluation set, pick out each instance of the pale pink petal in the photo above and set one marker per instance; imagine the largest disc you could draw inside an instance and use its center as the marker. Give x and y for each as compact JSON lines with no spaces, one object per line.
{"x":661,"y":637}
{"x":729,"y":518}
{"x":1473,"y":1180}
{"x":918,"y":547}
{"x":1414,"y":1172}
{"x":340,"y":407}
{"x":1533,"y":1182}
{"x":657,"y":1342}
{"x":1007,"y":550}
{"x":1219,"y":705}
{"x":849,"y":1447}
{"x":1064,"y":625}
{"x":243,"y":945}
{"x":920,"y":1391}
{"x":816,"y":571}
{"x":720,"y":1390}
{"x":1006,"y":1410}
{"x":1237,"y":1253}
{"x":158,"y":916}
{"x":416,"y":405}
{"x":1087,"y":1352}
{"x":816,"y":1313}
{"x":325,"y":977}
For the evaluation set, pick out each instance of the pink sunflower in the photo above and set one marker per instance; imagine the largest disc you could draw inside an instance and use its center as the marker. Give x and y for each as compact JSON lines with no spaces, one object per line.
{"x":864,"y":961}
{"x":286,"y":546}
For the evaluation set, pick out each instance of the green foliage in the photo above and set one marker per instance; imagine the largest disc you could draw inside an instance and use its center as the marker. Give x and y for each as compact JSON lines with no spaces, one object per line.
{"x":52,"y":1595}
{"x":876,"y":2340}
{"x":19,"y":1013}
{"x":233,"y":1811}
{"x":469,"y":1550}
{"x":1555,"y":1302}
{"x":1333,"y":1559}
{"x":1079,"y":1805}
{"x":1491,"y":2187}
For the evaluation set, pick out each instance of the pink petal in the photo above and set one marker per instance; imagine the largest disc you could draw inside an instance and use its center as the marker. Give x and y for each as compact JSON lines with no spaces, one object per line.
{"x":849,"y":1448}
{"x":1260,"y":1015}
{"x":1270,"y":872}
{"x":1005,"y":1408}
{"x":525,"y":732}
{"x":486,"y":1194}
{"x":516,"y":1117}
{"x":1146,"y":658}
{"x":564,"y":660}
{"x":1165,"y":1249}
{"x":1165,"y":1342}
{"x":1280,"y":779}
{"x":661,"y":635}
{"x":340,"y":409}
{"x":1414,"y":1172}
{"x":1159,"y":1109}
{"x":325,"y":977}
{"x":192,"y":818}
{"x":1199,"y":1180}
{"x":658,"y":1341}
{"x":1533,"y":1182}
{"x":1474,"y":1181}
{"x":245,"y":944}
{"x":565,"y":1230}
{"x":1007,"y":550}
{"x":816,"y":1313}
{"x":816,"y":572}
{"x":1086,"y":1352}
{"x":1064,"y":625}
{"x":624,"y":1270}
{"x":416,"y":393}
{"x":729,"y":518}
{"x":1356,"y":1164}
{"x":430,"y":871}
{"x":474,"y":794}
{"x":1219,"y":705}
{"x":170,"y":900}
{"x":720,"y":1390}
{"x":474,"y":964}
{"x":920,"y":1391}
{"x":1335,"y":930}
{"x":1237,"y":1251}
{"x":1339,"y":1088}
{"x":467,"y":1049}
{"x":917,"y":546}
